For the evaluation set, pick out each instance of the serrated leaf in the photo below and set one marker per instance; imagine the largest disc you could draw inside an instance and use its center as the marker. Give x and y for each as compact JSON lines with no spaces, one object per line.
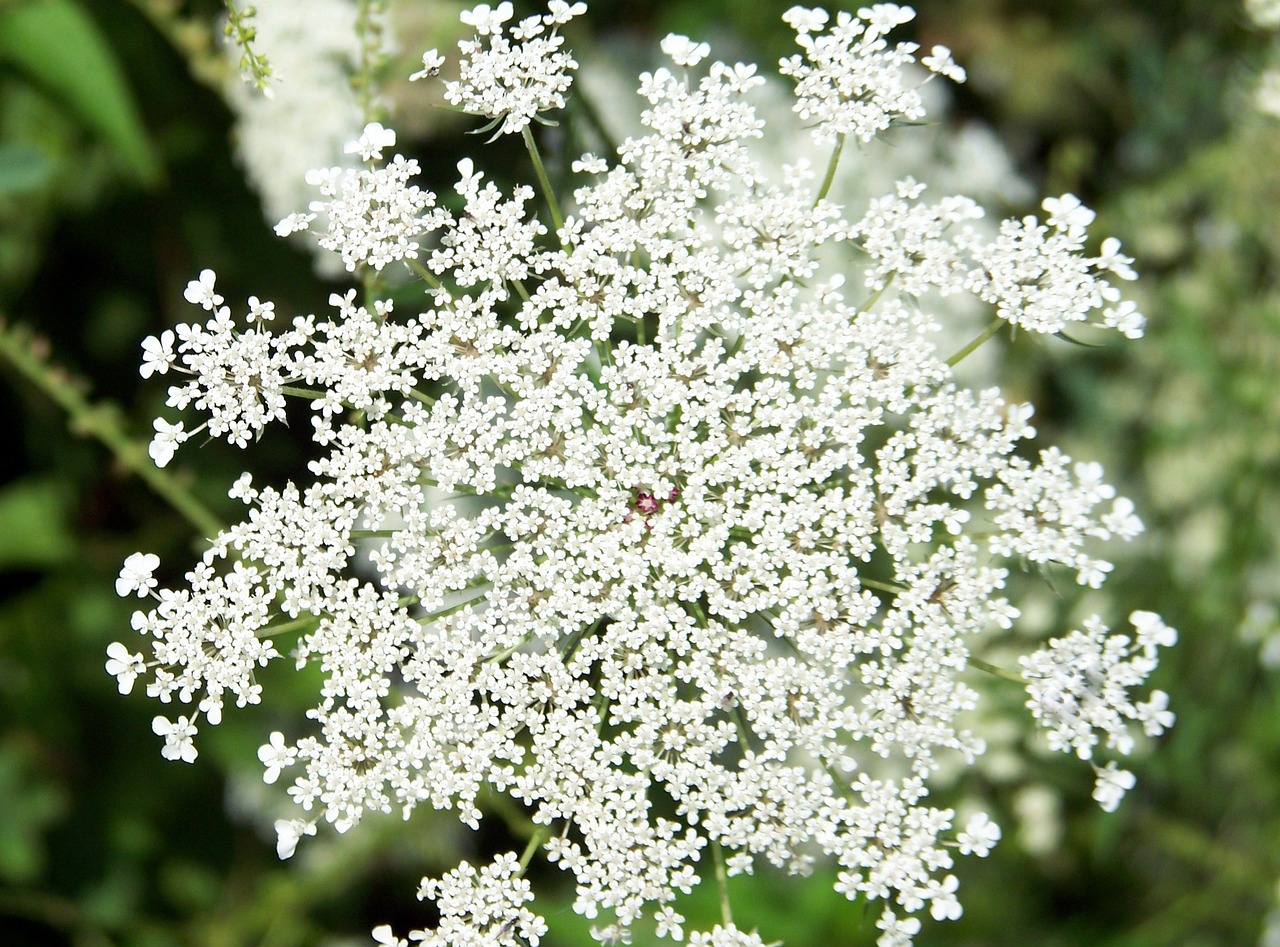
{"x":58,"y":47}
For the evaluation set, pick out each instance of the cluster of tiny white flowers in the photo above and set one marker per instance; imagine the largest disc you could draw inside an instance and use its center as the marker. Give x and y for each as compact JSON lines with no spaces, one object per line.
{"x":511,"y":82}
{"x":1079,"y":691}
{"x":1037,"y":275}
{"x":373,"y":216}
{"x":666,"y":539}
{"x":850,"y":81}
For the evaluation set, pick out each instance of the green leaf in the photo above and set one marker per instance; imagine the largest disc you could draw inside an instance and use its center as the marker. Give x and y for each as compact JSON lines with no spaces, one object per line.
{"x":33,"y":526}
{"x":58,"y":47}
{"x":22,"y":169}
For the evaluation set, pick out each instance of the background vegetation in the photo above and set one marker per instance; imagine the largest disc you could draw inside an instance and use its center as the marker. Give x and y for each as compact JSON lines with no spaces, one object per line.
{"x":117,"y":184}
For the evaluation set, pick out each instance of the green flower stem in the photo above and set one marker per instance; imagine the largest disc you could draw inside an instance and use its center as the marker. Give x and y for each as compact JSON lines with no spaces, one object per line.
{"x":543,"y":181}
{"x":996,"y":670}
{"x":830,"y":176}
{"x":287,"y":627}
{"x":102,"y":421}
{"x":539,"y":839}
{"x":722,"y":882}
{"x":881,"y":586}
{"x":969,"y":349}
{"x":427,"y":276}
{"x":445,"y":612}
{"x":309,"y":393}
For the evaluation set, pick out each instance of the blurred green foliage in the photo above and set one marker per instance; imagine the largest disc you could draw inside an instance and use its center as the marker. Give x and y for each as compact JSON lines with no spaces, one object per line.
{"x":117,"y":185}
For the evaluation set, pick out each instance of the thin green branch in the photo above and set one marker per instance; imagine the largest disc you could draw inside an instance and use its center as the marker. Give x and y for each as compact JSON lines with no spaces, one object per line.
{"x":722,"y":883}
{"x":830,"y":176}
{"x":996,"y":670}
{"x":973,"y":346}
{"x":536,"y":842}
{"x":102,"y":421}
{"x":543,"y":181}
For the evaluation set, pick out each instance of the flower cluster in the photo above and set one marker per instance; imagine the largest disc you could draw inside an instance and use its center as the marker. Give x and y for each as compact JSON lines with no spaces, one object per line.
{"x":642,"y":520}
{"x":1079,"y":687}
{"x":849,"y":80}
{"x":1037,"y":275}
{"x":511,"y":82}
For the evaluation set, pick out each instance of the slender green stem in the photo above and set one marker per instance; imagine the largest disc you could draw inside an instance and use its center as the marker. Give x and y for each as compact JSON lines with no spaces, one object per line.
{"x":543,"y":181}
{"x":427,"y":276}
{"x":830,"y":176}
{"x":875,"y":296}
{"x":996,"y":670}
{"x":524,"y":293}
{"x":444,"y":612}
{"x":310,"y":394}
{"x":101,"y":421}
{"x":539,"y":839}
{"x":293,"y":624}
{"x":969,"y":349}
{"x":722,"y":882}
{"x":881,"y":586}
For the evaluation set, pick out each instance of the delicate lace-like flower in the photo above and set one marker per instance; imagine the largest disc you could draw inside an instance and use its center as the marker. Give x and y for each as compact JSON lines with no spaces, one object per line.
{"x":1079,"y":688}
{"x":653,"y":523}
{"x":178,"y":736}
{"x":275,"y":756}
{"x":850,"y":81}
{"x":289,"y":832}
{"x":371,"y":142}
{"x":200,"y":292}
{"x":508,"y":82}
{"x":124,"y":666}
{"x":137,"y":574}
{"x":157,"y":354}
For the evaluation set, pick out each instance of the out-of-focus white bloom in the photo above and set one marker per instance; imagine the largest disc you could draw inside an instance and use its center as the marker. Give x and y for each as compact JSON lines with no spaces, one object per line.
{"x":1267,"y":96}
{"x":979,"y":835}
{"x":1266,"y":13}
{"x":1111,"y":785}
{"x":313,"y":111}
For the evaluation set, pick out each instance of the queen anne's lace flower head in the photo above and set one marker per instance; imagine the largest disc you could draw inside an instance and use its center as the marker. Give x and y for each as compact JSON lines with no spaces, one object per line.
{"x":511,"y":77}
{"x":666,"y":537}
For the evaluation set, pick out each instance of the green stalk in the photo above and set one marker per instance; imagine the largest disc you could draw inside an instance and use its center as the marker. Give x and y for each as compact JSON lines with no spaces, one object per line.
{"x":996,"y":670}
{"x":830,"y":176}
{"x":969,"y":349}
{"x":536,"y":842}
{"x":543,"y":181}
{"x":722,"y":882}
